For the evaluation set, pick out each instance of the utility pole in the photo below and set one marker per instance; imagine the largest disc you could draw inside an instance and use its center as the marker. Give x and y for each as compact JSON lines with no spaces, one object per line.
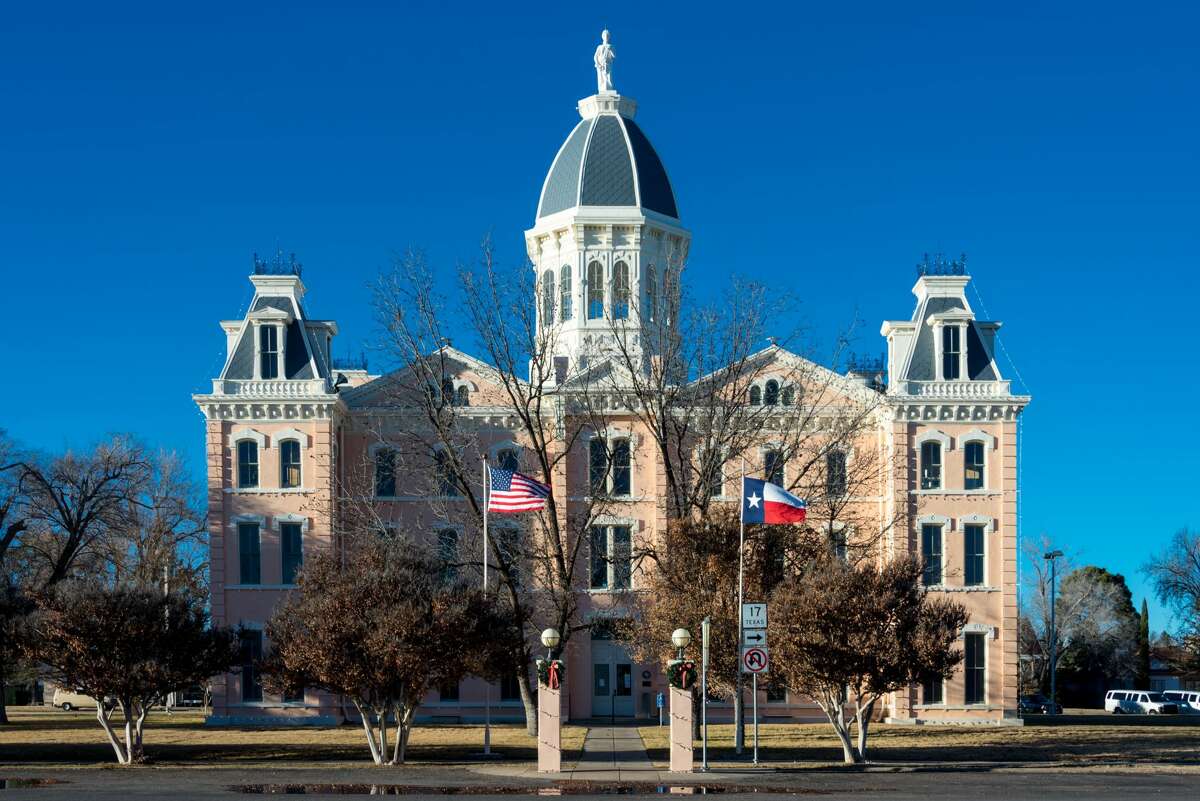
{"x":1052,"y":557}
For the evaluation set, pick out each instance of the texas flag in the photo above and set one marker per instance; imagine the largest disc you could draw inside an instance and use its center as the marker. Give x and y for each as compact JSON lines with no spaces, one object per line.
{"x":764,"y":502}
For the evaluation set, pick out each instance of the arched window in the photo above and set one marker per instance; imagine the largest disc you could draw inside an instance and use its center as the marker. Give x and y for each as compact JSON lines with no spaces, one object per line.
{"x":973,"y":456}
{"x":548,"y":298}
{"x":565,"y":310}
{"x":462,"y":396}
{"x":385,"y":473}
{"x":931,"y":465}
{"x":771,"y":396}
{"x":289,"y":464}
{"x":447,"y":392}
{"x":755,"y":395}
{"x":620,"y":291}
{"x":247,"y":457}
{"x":509,"y":459}
{"x":447,"y":486}
{"x":789,"y":395}
{"x":651,"y":293}
{"x":595,"y":291}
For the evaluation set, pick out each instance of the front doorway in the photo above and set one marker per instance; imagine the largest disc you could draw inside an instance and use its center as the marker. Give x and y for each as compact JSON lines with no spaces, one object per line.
{"x":612,"y":680}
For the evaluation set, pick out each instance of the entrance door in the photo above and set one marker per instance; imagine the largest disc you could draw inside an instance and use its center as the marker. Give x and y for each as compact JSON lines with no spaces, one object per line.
{"x":612,"y":681}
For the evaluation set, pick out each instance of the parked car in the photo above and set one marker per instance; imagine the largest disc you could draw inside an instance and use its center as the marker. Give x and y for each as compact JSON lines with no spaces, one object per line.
{"x":1038,"y":705}
{"x":66,"y":700}
{"x":1136,"y":702}
{"x":1188,"y":700}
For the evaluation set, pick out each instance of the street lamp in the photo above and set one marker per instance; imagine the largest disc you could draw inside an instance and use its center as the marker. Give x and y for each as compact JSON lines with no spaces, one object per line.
{"x":550,"y":639}
{"x":1052,"y":557}
{"x":681,"y":638}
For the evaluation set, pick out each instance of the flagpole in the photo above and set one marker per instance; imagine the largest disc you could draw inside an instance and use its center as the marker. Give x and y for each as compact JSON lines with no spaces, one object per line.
{"x":739,"y":735}
{"x":487,"y":704}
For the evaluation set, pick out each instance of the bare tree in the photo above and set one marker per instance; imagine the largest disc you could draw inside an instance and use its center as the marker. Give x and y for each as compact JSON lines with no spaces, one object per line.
{"x":1175,"y":574}
{"x":435,"y":431}
{"x":853,"y":633}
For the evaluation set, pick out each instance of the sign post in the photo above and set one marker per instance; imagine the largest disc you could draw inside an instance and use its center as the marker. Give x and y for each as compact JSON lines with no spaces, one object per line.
{"x":755,"y":653}
{"x":704,"y":626}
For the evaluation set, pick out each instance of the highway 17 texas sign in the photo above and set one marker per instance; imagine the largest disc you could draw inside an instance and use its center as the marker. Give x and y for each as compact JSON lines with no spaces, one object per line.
{"x":754,"y":659}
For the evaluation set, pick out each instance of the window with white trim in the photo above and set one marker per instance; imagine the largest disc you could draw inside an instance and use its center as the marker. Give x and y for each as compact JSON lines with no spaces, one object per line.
{"x":268,"y":351}
{"x":548,"y":298}
{"x":565,"y":310}
{"x":247,"y":464}
{"x":932,"y":690}
{"x":611,"y":557}
{"x":974,"y":543}
{"x":975,"y":668}
{"x":251,"y":642}
{"x":835,"y":473}
{"x":951,"y":352}
{"x":289,"y":464}
{"x":621,"y":292}
{"x":249,"y":553}
{"x":931,"y":554}
{"x":756,"y":395}
{"x":973,"y":459}
{"x":595,"y":290}
{"x":291,"y":548}
{"x":771,"y":393}
{"x":610,"y":466}
{"x":931,"y":465}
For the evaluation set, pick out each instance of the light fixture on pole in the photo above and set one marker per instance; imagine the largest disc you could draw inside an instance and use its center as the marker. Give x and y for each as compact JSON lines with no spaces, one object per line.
{"x":1052,"y":558}
{"x":681,"y":638}
{"x":550,"y":639}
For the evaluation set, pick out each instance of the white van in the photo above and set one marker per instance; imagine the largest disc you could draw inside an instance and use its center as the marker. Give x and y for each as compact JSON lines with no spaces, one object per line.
{"x":1136,"y":702}
{"x":1188,"y":700}
{"x":66,"y":700}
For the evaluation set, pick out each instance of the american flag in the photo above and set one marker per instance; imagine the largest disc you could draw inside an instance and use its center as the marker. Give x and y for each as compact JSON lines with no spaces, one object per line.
{"x":512,"y":492}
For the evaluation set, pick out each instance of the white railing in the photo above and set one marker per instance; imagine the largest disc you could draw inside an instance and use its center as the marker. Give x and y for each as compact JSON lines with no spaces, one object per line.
{"x":959,"y":389}
{"x":269,"y":389}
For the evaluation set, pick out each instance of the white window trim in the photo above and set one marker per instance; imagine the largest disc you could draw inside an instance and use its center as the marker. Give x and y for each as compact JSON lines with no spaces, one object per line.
{"x":986,"y":522}
{"x":761,"y":383}
{"x":989,"y":444}
{"x":608,"y":522}
{"x":301,"y":439}
{"x":934,"y":435}
{"x":239,"y":434}
{"x":961,"y":324}
{"x":260,"y":519}
{"x":944,"y":522}
{"x":280,"y":325}
{"x":292,"y":518}
{"x":608,"y":435}
{"x":989,"y":633}
{"x":945,"y":444}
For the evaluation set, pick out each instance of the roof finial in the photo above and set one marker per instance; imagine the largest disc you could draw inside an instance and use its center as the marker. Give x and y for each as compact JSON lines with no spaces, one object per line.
{"x":603,"y":60}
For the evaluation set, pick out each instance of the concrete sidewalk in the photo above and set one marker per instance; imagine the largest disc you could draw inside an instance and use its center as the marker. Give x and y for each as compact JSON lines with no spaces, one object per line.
{"x":613,"y":754}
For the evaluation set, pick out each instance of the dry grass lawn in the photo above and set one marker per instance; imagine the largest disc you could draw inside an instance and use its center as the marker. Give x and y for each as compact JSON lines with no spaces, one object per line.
{"x":51,"y":737}
{"x":1074,"y":745}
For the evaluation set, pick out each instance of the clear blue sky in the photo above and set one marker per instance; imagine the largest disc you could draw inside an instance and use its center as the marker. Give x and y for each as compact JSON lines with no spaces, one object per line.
{"x":148,"y":150}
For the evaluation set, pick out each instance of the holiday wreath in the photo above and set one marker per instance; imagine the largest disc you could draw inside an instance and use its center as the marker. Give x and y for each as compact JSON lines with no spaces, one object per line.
{"x":551,"y":672}
{"x":681,"y":673}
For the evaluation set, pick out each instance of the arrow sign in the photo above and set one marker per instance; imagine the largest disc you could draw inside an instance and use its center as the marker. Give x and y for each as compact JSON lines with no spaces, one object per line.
{"x":756,"y":636}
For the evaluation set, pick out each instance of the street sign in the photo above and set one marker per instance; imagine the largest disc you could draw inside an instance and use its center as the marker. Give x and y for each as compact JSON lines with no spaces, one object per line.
{"x":754,"y":659}
{"x":754,"y":616}
{"x":754,"y":637}
{"x":659,"y":701}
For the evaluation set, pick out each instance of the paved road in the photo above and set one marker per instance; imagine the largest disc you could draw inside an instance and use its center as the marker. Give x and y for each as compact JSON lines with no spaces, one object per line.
{"x":612,"y":758}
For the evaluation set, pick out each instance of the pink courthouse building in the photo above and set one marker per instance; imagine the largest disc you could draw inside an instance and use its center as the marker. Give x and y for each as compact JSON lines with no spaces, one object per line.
{"x":287,"y":426}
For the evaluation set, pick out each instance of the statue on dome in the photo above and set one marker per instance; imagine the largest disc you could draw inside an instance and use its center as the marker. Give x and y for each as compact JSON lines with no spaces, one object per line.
{"x":603,"y":60}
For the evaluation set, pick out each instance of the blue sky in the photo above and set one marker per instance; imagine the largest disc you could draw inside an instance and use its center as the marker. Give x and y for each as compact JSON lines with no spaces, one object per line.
{"x":148,"y":150}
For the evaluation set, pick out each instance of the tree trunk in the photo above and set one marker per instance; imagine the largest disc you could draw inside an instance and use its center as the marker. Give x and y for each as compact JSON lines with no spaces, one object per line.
{"x":834,"y":707}
{"x":529,"y":701}
{"x":862,"y":718}
{"x":102,"y":715}
{"x":403,"y":729}
{"x":376,"y":757}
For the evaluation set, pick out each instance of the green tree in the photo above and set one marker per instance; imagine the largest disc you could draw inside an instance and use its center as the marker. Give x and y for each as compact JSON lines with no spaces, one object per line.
{"x":1142,"y":677}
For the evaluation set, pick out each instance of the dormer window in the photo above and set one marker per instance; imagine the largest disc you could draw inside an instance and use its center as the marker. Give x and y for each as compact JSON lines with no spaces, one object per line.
{"x":268,"y":352}
{"x":951,"y":352}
